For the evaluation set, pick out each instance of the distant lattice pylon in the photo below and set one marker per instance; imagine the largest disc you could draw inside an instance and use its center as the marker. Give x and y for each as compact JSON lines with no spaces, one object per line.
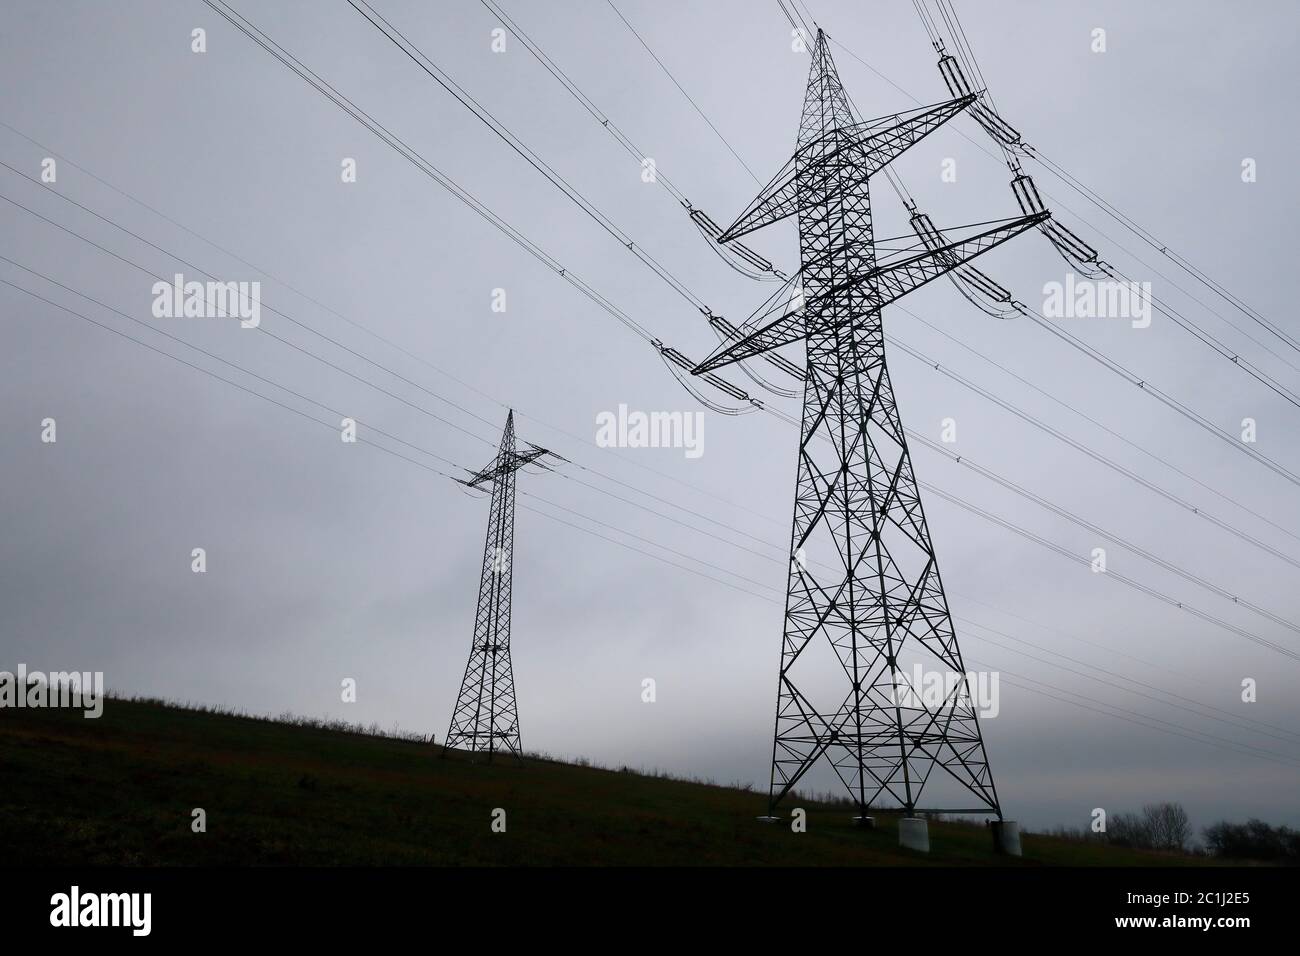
{"x":486,"y":717}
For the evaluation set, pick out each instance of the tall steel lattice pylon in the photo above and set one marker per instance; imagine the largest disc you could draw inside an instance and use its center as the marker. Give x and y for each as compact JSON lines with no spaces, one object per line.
{"x":486,"y":717}
{"x":863,"y":580}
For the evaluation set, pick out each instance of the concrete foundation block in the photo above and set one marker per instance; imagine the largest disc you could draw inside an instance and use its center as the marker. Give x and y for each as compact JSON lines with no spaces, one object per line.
{"x":914,"y":834}
{"x":1006,"y":837}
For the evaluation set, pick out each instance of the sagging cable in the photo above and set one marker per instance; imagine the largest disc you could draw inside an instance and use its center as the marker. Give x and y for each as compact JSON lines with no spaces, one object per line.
{"x":729,"y":333}
{"x":983,"y":292}
{"x":678,"y":363}
{"x":1074,"y":250}
{"x":750,"y":264}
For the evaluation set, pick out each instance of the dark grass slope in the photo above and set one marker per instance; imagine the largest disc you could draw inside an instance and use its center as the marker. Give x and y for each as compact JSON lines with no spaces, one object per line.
{"x":120,"y":790}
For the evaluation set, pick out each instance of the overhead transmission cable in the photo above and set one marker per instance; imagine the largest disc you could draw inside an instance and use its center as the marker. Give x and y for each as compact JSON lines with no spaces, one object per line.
{"x":1160,"y":596}
{"x":1075,"y":410}
{"x":326,"y":362}
{"x":1165,"y":309}
{"x":333,"y":427}
{"x":737,"y":256}
{"x":1234,"y":745}
{"x":1008,"y":156}
{"x":467,"y":100}
{"x":415,"y":54}
{"x":449,"y":84}
{"x":1124,"y":579}
{"x":1115,"y":213}
{"x":966,"y":57}
{"x":47,"y":150}
{"x":1003,"y":482}
{"x":405,"y":458}
{"x":688,"y":96}
{"x":1116,"y":368}
{"x":325,"y":89}
{"x":71,"y":163}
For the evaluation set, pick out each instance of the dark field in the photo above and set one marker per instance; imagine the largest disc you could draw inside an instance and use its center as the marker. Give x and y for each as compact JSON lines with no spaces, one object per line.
{"x":120,"y":790}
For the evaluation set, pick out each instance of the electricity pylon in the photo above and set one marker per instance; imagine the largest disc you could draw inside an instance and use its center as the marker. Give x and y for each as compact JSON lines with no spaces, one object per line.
{"x":863,"y":573}
{"x":487,"y":715}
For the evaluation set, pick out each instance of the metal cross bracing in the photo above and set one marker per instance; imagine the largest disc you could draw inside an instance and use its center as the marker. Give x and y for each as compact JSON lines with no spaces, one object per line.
{"x":486,"y":717}
{"x":881,"y":608}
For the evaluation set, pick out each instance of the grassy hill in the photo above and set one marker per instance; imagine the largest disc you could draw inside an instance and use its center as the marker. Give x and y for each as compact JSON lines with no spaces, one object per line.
{"x":120,"y":790}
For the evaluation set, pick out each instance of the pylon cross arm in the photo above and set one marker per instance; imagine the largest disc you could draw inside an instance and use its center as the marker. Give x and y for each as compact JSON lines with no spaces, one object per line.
{"x":506,"y":462}
{"x":779,"y":200}
{"x":804,"y":181}
{"x":893,"y":280}
{"x":885,"y":284}
{"x":873,"y":145}
{"x":532,"y":455}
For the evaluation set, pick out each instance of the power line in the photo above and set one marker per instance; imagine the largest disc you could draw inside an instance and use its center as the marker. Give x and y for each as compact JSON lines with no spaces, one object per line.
{"x":161,"y":249}
{"x":338,"y":99}
{"x":1160,"y":596}
{"x":1087,"y":525}
{"x":865,"y":488}
{"x":466,"y":99}
{"x":968,"y":57}
{"x":332,"y":427}
{"x":572,"y":193}
{"x":696,"y":106}
{"x":1094,"y":455}
{"x":942,"y":493}
{"x":211,"y":374}
{"x":1182,"y":409}
{"x":1115,"y":575}
{"x":261,"y":329}
{"x":1194,"y":610}
{"x":1074,"y":409}
{"x":737,"y":256}
{"x":1143,"y":720}
{"x":1229,"y":718}
{"x":1180,"y":320}
{"x":364,"y":381}
{"x":443,"y":79}
{"x":585,"y":101}
{"x":1171,"y":313}
{"x":1205,"y":279}
{"x":1145,"y":386}
{"x":423,"y":165}
{"x":357,"y":325}
{"x":477,"y":391}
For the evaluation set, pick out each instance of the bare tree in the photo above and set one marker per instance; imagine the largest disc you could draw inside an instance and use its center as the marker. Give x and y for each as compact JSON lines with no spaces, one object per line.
{"x":1167,"y":825}
{"x":1128,"y":829}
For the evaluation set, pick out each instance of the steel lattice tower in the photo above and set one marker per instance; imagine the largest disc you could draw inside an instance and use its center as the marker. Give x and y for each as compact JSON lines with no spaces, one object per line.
{"x":863,"y":575}
{"x":486,"y":715}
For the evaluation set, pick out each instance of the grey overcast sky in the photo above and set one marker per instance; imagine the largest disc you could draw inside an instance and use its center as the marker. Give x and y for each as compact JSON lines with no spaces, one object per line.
{"x":329,"y":560}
